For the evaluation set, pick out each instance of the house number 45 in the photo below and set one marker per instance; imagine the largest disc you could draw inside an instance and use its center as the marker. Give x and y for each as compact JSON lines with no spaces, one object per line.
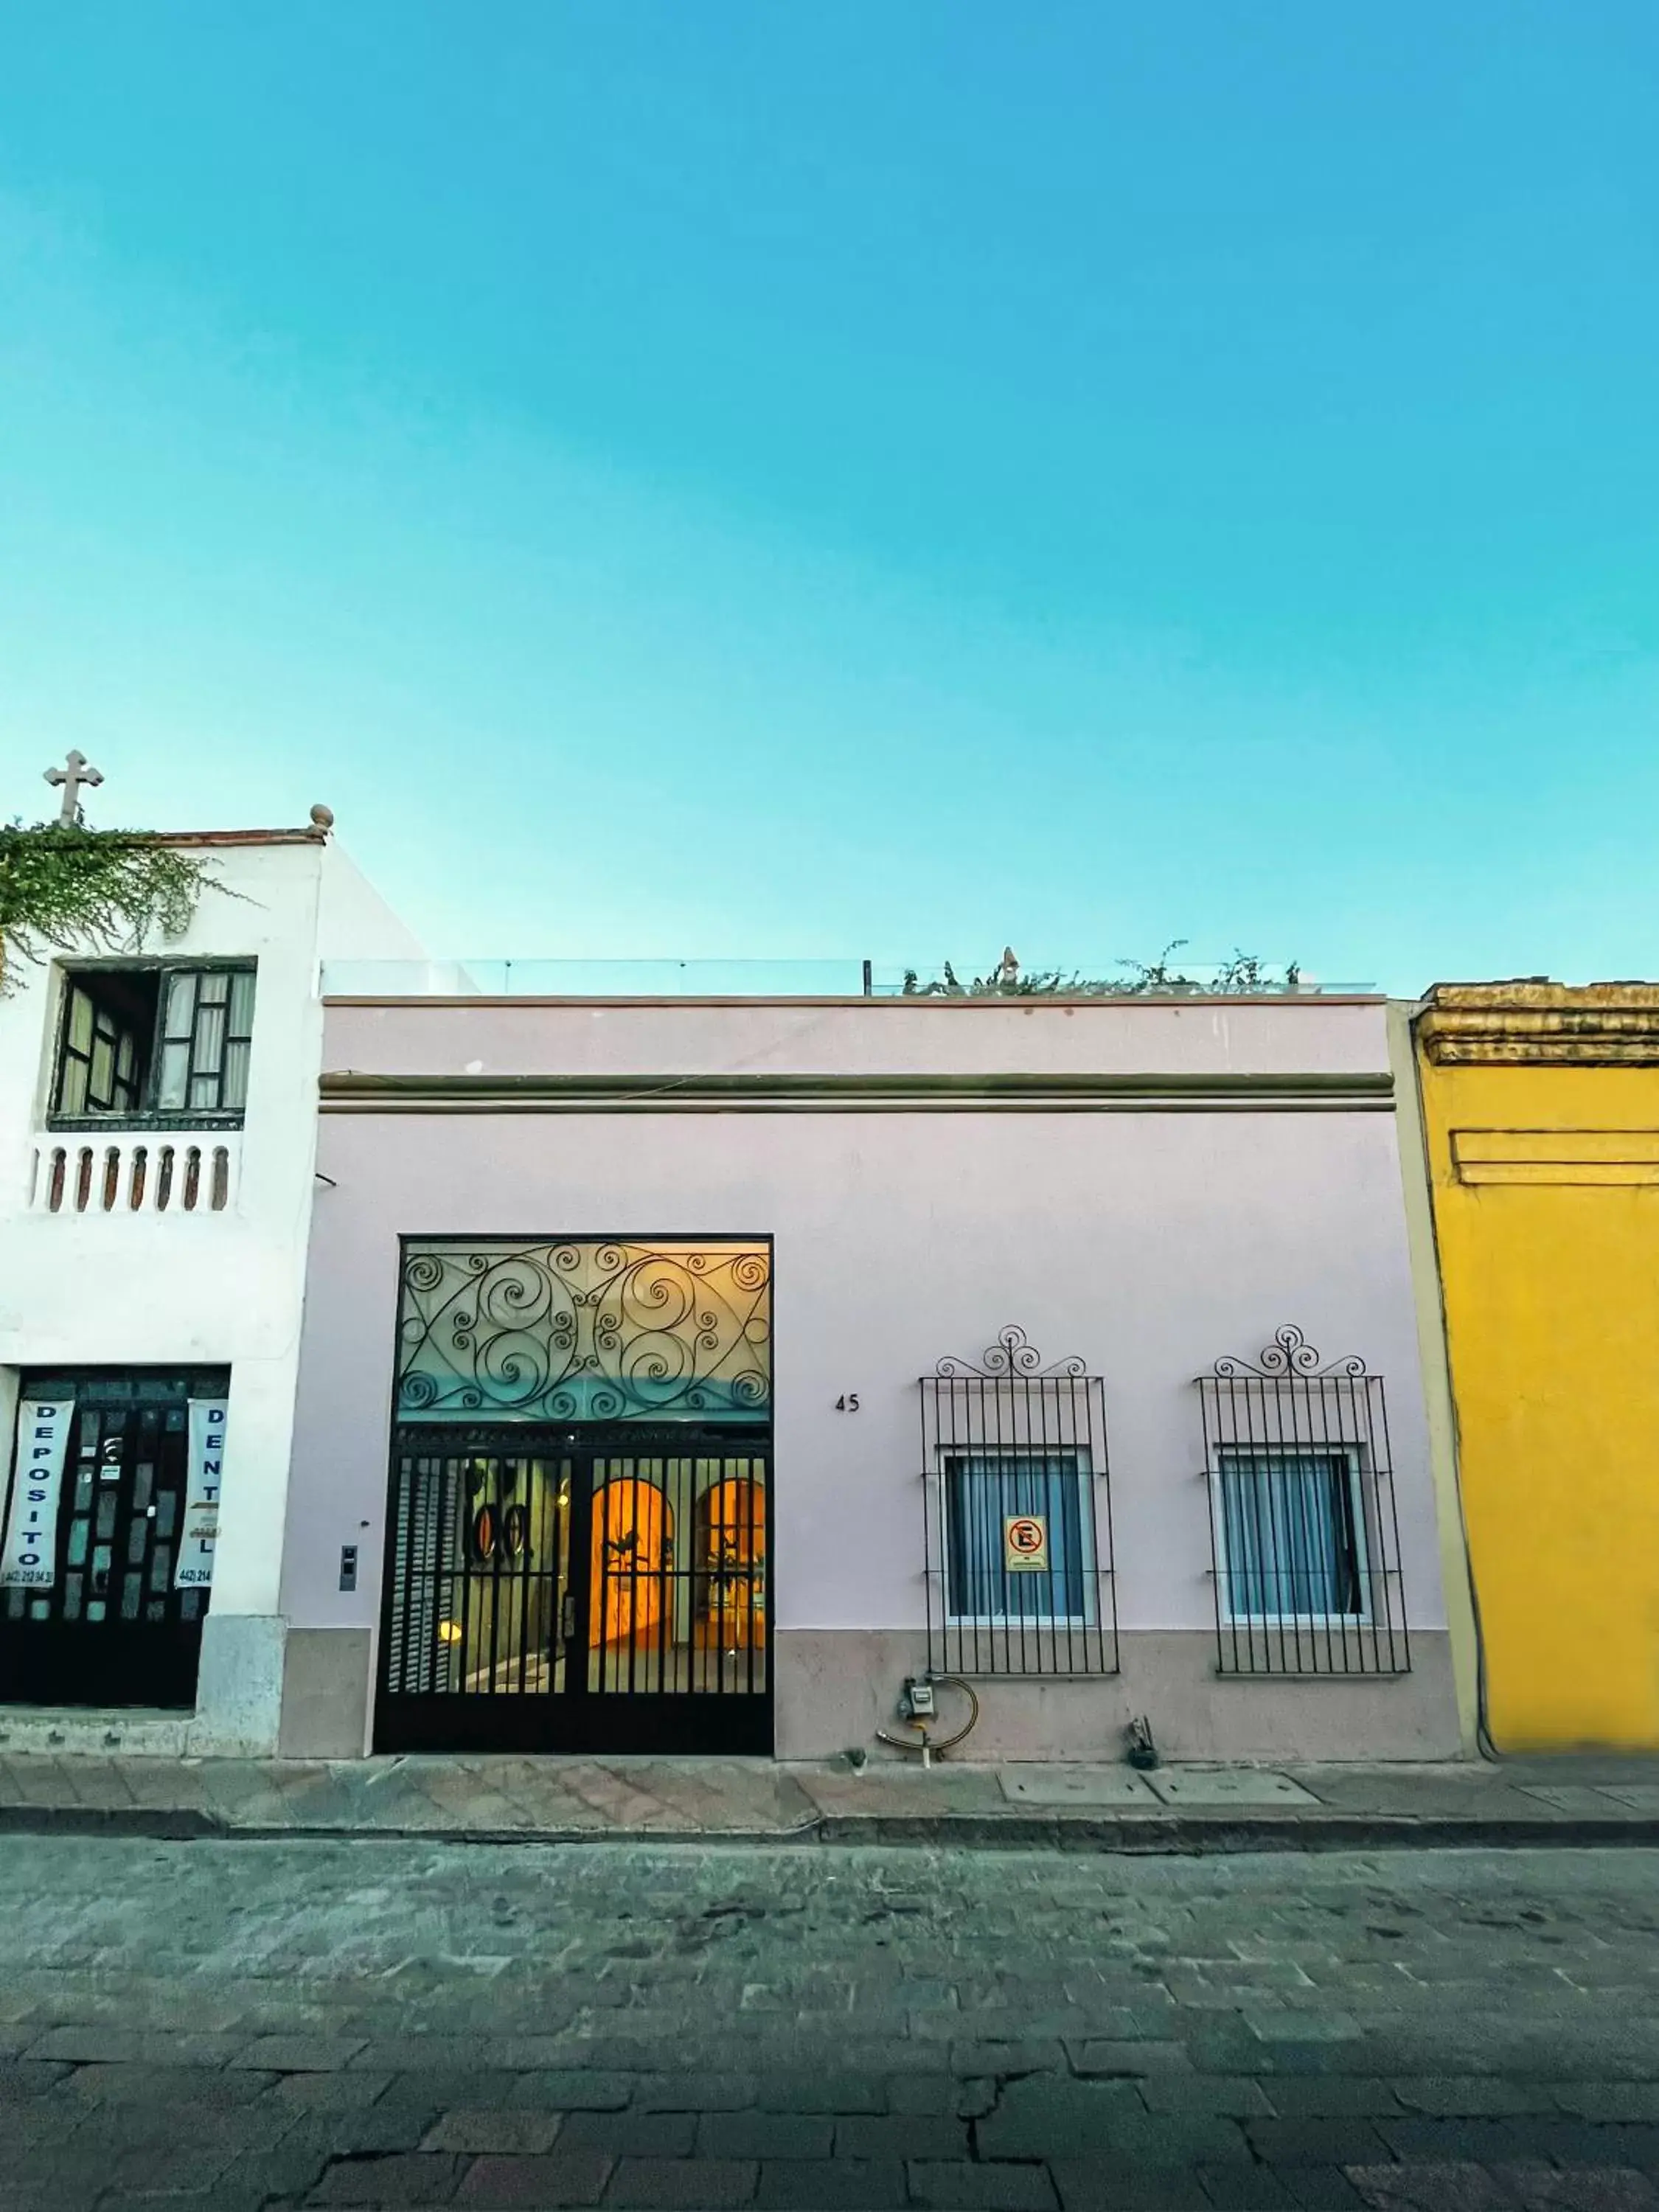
{"x":847,"y":1402}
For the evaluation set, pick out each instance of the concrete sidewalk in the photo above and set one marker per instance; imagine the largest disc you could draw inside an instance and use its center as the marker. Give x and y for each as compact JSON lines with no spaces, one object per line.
{"x":1577,"y":1800}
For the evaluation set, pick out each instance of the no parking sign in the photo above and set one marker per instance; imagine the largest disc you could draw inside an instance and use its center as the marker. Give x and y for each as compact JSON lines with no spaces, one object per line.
{"x":1025,"y":1544}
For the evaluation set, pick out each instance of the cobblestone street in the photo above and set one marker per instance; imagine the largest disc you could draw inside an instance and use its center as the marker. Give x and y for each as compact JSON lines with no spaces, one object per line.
{"x":390,"y":2023}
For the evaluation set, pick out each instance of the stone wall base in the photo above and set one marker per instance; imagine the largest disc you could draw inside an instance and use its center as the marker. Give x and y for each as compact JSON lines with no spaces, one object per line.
{"x":836,"y":1686}
{"x":327,"y":1693}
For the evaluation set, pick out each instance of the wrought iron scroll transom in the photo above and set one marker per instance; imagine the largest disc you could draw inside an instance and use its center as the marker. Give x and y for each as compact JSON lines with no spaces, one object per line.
{"x":1013,"y":1356}
{"x":1289,"y":1354}
{"x":585,"y":1330}
{"x":1304,"y":1534}
{"x":1014,"y":1456}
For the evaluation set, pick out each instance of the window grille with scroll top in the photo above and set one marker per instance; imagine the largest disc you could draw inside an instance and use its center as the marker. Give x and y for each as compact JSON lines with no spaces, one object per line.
{"x":1017,"y":1525}
{"x":1305,"y":1535}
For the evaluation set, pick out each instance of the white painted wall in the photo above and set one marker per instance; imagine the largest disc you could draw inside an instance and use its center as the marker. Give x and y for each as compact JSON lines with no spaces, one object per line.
{"x":125,"y":1289}
{"x":354,"y":922}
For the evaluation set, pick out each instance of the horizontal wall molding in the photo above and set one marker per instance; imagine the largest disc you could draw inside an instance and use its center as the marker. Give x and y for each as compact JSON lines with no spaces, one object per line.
{"x":917,"y":1002}
{"x":1541,"y":1025}
{"x":346,"y":1091}
{"x":1591,"y":1159}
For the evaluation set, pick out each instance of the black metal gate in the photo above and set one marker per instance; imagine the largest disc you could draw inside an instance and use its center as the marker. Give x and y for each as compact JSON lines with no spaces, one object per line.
{"x":111,"y":1628}
{"x":577,"y":1589}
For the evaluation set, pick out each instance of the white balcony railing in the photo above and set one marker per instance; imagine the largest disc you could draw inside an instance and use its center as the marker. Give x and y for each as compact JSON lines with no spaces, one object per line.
{"x":139,"y":1171}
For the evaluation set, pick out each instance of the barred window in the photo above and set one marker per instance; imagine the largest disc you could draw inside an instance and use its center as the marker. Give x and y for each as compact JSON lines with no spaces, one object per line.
{"x":153,"y":1044}
{"x":1017,"y":1521}
{"x":1306,"y":1541}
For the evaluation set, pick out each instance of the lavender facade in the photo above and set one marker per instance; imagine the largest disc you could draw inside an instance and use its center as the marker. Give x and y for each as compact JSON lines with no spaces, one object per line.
{"x":693,"y":1375}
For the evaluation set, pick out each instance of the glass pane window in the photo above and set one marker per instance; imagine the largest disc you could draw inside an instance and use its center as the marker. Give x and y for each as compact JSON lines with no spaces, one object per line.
{"x":1292,"y":1535}
{"x":209,"y":1039}
{"x":154,"y":1041}
{"x":207,"y":1027}
{"x":233,"y":1092}
{"x":242,"y":1001}
{"x":103,"y":1041}
{"x":181,"y":1003}
{"x":173,"y":1088}
{"x":1019,"y":1537}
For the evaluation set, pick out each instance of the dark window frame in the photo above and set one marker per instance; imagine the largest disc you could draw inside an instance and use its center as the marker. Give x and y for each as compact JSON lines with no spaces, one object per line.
{"x":124,"y":1076}
{"x":146,"y":1110}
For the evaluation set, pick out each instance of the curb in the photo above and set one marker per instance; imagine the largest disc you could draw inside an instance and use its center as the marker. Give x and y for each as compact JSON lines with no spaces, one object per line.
{"x":1189,"y":1836}
{"x":169,"y":1823}
{"x":1142,"y":1835}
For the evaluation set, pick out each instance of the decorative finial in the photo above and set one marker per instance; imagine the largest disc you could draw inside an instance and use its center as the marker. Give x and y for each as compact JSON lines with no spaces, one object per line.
{"x":322,"y":818}
{"x":76,"y":773}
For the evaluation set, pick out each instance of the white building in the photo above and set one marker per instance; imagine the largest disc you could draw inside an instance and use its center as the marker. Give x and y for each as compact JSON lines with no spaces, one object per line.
{"x":158,"y":1123}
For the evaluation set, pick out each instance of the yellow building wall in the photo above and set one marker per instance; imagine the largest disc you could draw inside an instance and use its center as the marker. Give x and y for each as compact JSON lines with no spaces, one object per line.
{"x":1546,"y":1194}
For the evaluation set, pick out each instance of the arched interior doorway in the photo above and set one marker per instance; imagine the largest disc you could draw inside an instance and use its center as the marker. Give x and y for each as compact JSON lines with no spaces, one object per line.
{"x":633,"y":1554}
{"x":580,"y":1598}
{"x":732,"y":1564}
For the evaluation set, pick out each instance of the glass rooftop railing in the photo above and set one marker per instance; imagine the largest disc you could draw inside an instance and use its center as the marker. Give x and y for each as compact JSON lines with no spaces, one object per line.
{"x":806,"y":978}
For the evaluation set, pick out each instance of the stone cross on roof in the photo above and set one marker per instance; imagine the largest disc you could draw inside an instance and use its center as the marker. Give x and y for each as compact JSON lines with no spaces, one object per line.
{"x":77,"y":773}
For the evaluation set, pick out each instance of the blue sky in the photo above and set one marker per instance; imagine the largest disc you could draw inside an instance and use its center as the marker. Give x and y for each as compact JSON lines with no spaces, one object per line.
{"x":718,"y":479}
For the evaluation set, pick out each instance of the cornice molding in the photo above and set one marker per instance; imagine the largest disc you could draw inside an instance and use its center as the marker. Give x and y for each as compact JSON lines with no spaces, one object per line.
{"x":314,"y":836}
{"x":1541,"y":1025}
{"x":347,"y":1091}
{"x":898,"y":1003}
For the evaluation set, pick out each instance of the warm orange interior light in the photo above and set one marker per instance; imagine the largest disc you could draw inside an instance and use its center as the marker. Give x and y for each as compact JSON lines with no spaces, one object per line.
{"x":633,"y":1547}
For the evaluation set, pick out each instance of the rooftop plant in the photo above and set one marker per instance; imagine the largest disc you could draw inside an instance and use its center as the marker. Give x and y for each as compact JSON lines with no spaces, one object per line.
{"x":1243,"y":976}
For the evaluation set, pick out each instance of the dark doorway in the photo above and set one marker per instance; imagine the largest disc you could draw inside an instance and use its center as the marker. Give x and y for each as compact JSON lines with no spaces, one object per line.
{"x":577,"y":1589}
{"x":112,"y":1626}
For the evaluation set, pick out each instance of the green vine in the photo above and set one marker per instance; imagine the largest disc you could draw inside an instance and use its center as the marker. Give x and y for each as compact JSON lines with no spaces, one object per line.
{"x":1244,"y":975}
{"x":65,"y":888}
